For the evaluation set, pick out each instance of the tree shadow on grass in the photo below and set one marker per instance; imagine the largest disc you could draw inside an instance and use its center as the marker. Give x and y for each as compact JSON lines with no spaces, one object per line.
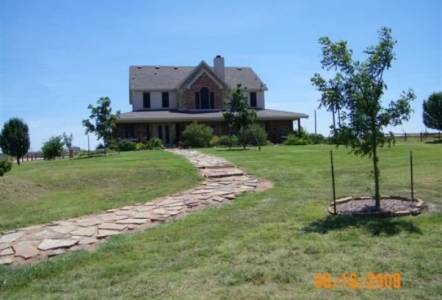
{"x":92,"y":156}
{"x":434,"y":142}
{"x":375,"y":226}
{"x":233,"y":149}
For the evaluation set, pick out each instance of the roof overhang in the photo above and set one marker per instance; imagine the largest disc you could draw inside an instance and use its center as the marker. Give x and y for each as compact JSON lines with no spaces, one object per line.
{"x":167,"y":116}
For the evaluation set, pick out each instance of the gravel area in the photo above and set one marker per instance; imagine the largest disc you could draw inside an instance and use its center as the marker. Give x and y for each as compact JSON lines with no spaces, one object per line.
{"x":368,"y":206}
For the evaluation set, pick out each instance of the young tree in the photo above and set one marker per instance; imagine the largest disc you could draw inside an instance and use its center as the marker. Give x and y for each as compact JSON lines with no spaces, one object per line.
{"x":53,"y":147}
{"x":104,"y":120}
{"x":14,"y":138}
{"x":67,"y":140}
{"x":432,"y":114}
{"x":356,"y":91}
{"x":239,"y":114}
{"x":254,"y":135}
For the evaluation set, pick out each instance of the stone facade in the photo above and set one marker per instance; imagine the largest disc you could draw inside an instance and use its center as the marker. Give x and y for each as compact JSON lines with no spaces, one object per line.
{"x":171,"y":132}
{"x":186,"y":98}
{"x":278,"y":129}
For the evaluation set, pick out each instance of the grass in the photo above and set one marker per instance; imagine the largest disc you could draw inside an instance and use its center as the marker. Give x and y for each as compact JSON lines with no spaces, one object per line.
{"x":265,"y":245}
{"x":43,"y":191}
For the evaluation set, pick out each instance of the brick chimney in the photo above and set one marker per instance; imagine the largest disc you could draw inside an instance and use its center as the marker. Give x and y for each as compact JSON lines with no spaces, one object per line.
{"x":218,"y":65}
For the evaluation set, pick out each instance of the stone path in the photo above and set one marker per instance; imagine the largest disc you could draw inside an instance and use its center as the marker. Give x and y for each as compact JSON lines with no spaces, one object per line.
{"x":39,"y":242}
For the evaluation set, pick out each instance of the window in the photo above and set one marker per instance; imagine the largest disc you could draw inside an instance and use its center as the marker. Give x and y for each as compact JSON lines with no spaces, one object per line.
{"x":146,"y":100}
{"x":129,"y":131}
{"x":204,"y":99}
{"x":165,"y":98}
{"x":253,"y":99}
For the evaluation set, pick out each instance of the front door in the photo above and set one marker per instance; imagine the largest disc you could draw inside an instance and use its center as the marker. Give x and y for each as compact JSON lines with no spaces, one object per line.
{"x":165,"y":134}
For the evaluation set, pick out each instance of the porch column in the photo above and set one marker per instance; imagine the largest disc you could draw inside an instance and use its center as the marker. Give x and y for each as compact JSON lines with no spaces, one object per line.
{"x":299,"y":126}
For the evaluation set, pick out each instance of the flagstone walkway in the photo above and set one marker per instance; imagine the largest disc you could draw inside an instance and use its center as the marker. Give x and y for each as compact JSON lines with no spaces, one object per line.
{"x":35,"y":243}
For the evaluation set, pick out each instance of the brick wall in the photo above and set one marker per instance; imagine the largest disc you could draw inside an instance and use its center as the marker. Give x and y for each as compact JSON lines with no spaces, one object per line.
{"x":187,"y":98}
{"x":278,"y":129}
{"x":275,"y":129}
{"x":139,"y":131}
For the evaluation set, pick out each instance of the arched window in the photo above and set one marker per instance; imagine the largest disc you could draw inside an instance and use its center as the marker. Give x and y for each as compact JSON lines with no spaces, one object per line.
{"x":204,"y":99}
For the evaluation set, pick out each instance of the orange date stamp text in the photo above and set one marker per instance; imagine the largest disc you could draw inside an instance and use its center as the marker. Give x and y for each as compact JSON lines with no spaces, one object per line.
{"x":368,"y":281}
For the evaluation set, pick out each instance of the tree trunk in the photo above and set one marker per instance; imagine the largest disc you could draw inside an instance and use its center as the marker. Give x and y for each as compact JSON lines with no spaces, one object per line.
{"x":376,"y":175}
{"x":18,"y":160}
{"x":339,"y":117}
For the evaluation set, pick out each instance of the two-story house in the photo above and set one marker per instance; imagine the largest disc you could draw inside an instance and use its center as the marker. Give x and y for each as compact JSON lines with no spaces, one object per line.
{"x":165,"y":99}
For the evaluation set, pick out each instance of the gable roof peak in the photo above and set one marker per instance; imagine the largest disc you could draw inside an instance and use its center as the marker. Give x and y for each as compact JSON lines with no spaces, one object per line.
{"x":201,"y":68}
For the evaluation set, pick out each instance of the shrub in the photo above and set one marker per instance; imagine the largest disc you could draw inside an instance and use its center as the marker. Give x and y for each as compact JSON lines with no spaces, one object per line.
{"x":228,"y":141}
{"x":197,"y":135}
{"x":316,"y":138}
{"x":155,"y":144}
{"x":294,"y":140}
{"x":113,"y":145}
{"x":126,"y":145}
{"x":140,"y":146}
{"x":5,"y":165}
{"x":214,"y":141}
{"x":53,"y":147}
{"x":253,"y":135}
{"x":301,"y":134}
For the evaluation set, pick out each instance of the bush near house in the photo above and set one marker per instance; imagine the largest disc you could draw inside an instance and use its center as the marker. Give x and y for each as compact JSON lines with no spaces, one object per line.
{"x":126,"y":145}
{"x":141,"y":146}
{"x":155,"y":144}
{"x":294,"y":140}
{"x":197,"y":135}
{"x":214,"y":141}
{"x":228,"y":141}
{"x":297,"y":138}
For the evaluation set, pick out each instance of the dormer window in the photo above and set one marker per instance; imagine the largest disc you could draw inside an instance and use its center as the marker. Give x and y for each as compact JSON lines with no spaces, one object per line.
{"x":146,"y":100}
{"x":253,"y":102}
{"x":204,"y":99}
{"x":165,"y":99}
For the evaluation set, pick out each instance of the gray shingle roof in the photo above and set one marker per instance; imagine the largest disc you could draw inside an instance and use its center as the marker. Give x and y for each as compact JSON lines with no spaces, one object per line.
{"x":169,"y":77}
{"x":199,"y":115}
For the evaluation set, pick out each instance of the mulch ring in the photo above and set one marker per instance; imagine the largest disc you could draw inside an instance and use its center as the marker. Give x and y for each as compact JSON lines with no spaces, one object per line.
{"x":391,"y":206}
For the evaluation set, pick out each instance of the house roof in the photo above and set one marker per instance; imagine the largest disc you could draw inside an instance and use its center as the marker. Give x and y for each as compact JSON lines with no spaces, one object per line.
{"x":201,"y":115}
{"x":170,"y":77}
{"x":197,"y":72}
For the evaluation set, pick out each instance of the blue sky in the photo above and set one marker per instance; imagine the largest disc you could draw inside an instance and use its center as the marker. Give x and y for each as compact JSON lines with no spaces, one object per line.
{"x":57,"y":57}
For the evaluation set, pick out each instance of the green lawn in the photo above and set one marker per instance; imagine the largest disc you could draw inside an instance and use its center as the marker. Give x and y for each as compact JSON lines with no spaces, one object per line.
{"x":265,"y":245}
{"x":43,"y":191}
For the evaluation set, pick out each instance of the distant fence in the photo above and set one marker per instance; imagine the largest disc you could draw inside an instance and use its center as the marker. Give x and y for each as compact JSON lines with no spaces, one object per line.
{"x":31,"y":156}
{"x":422,"y":136}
